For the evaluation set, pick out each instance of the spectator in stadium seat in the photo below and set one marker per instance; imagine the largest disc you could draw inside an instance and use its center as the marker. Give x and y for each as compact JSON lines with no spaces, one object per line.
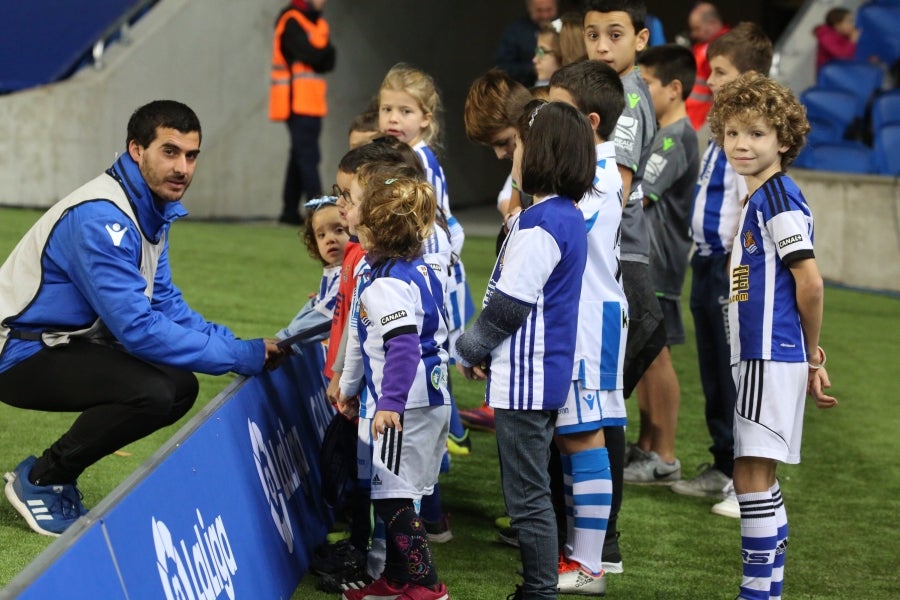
{"x":836,"y":37}
{"x":91,"y":321}
{"x":515,"y":49}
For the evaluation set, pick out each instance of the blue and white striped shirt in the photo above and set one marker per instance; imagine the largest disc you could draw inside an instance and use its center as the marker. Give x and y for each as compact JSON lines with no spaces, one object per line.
{"x":776,"y":229}
{"x":602,"y":308}
{"x":404,"y":296}
{"x":717,"y":203}
{"x":541,"y":264}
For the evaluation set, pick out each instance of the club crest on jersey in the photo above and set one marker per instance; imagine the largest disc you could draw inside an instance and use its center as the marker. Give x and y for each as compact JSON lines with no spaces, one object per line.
{"x":438,"y":377}
{"x":750,"y":242}
{"x":424,"y":270}
{"x":364,"y":315}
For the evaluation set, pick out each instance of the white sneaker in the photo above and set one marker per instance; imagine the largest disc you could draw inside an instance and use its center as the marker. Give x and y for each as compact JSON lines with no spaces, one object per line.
{"x":574,"y":579}
{"x":652,"y":470}
{"x":710,"y":482}
{"x":728,"y":507}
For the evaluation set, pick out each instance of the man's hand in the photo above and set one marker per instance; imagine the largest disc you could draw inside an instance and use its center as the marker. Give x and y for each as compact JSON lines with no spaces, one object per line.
{"x":348,"y":405}
{"x":817,"y":384}
{"x":385,"y":419}
{"x":333,"y":392}
{"x":274,"y":354}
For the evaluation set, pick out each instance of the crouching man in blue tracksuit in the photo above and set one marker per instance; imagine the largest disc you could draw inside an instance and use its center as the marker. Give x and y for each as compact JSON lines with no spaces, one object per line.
{"x":91,"y":322}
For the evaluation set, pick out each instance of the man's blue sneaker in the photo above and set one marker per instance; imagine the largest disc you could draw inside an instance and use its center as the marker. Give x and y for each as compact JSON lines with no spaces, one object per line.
{"x":48,"y":509}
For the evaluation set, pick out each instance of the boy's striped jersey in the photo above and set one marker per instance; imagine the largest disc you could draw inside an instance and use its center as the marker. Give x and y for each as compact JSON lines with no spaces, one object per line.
{"x":776,"y":229}
{"x":602,"y":308}
{"x":717,"y":203}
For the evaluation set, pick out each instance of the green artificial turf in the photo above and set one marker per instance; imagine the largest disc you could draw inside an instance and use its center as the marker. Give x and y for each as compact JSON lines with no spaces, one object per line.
{"x":841,"y":500}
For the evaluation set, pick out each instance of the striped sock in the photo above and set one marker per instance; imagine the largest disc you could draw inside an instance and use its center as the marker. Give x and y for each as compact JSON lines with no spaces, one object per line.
{"x":566,"y":462}
{"x":759,"y":537}
{"x":781,"y":548}
{"x":592,"y":497}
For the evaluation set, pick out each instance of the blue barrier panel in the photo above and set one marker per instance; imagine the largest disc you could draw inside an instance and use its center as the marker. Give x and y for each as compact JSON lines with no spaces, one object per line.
{"x":229,"y":507}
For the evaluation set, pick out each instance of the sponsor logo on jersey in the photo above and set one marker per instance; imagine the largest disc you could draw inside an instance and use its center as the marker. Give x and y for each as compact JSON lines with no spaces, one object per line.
{"x":195,"y":569}
{"x":790,"y":240}
{"x":655,"y":166}
{"x":740,"y":283}
{"x":749,"y":242}
{"x":633,"y":99}
{"x":282,"y":468}
{"x":398,"y":314}
{"x":376,"y":480}
{"x":626,"y":133}
{"x":116,"y":233}
{"x":668,"y":144}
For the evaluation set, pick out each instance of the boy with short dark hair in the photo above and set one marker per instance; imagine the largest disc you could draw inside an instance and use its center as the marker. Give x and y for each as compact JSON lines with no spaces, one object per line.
{"x":713,"y":221}
{"x":595,"y":398}
{"x":775,"y":314}
{"x":669,"y":179}
{"x":614,"y":33}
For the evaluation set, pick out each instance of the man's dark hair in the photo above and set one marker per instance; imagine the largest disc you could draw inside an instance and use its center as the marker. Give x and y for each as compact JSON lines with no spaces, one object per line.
{"x":671,"y":62}
{"x":636,"y":9}
{"x":170,"y":114}
{"x":595,"y":87}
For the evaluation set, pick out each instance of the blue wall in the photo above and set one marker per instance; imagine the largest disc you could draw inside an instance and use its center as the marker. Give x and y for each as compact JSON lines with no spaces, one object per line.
{"x":230,"y":507}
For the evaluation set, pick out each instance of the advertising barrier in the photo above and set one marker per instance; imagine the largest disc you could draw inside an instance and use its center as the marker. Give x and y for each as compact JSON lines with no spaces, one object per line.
{"x":229,"y":507}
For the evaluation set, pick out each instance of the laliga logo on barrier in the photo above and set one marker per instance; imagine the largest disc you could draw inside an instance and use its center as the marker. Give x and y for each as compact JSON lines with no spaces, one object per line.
{"x":280,"y":467}
{"x":210,"y":562}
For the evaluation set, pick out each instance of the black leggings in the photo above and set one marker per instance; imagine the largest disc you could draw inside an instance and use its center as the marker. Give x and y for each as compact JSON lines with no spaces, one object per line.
{"x":121,"y":399}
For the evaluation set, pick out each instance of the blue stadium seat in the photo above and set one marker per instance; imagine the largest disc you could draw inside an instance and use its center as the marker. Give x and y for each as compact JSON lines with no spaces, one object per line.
{"x":842,"y":157}
{"x":887,"y":150}
{"x":879,"y":23}
{"x":830,"y":104}
{"x":804,"y":160}
{"x":824,"y":131}
{"x":885,"y":109}
{"x":860,"y":78}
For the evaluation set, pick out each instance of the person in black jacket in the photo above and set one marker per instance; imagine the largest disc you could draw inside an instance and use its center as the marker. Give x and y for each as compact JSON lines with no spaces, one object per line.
{"x":301,"y":54}
{"x":515,"y":49}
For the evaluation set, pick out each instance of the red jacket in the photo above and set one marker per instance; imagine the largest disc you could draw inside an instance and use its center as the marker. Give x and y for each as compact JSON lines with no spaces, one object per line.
{"x":700,"y":100}
{"x":832,"y":45}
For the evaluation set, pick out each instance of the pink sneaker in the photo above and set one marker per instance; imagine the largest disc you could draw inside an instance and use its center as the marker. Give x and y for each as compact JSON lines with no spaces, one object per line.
{"x":481,"y":418}
{"x":379,"y":589}
{"x":420,"y":592}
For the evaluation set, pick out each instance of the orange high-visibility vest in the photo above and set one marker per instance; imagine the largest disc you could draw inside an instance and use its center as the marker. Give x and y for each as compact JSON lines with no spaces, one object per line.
{"x":297,"y":88}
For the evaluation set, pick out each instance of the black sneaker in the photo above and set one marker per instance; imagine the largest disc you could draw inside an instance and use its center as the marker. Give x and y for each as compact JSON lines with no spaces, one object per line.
{"x":517,"y":595}
{"x":612,"y":556}
{"x":352,"y":578}
{"x":334,"y":558}
{"x":509,"y":536}
{"x":438,"y":531}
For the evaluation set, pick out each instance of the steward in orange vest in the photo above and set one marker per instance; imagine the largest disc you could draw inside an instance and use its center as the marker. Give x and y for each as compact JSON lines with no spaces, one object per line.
{"x":301,"y":52}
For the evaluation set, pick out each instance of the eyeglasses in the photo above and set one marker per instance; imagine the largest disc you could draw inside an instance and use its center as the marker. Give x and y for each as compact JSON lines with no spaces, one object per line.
{"x":342,"y":195}
{"x":540,"y":53}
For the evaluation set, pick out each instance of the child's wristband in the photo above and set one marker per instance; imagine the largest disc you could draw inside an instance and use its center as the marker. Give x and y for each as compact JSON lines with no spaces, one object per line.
{"x":822,"y":358}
